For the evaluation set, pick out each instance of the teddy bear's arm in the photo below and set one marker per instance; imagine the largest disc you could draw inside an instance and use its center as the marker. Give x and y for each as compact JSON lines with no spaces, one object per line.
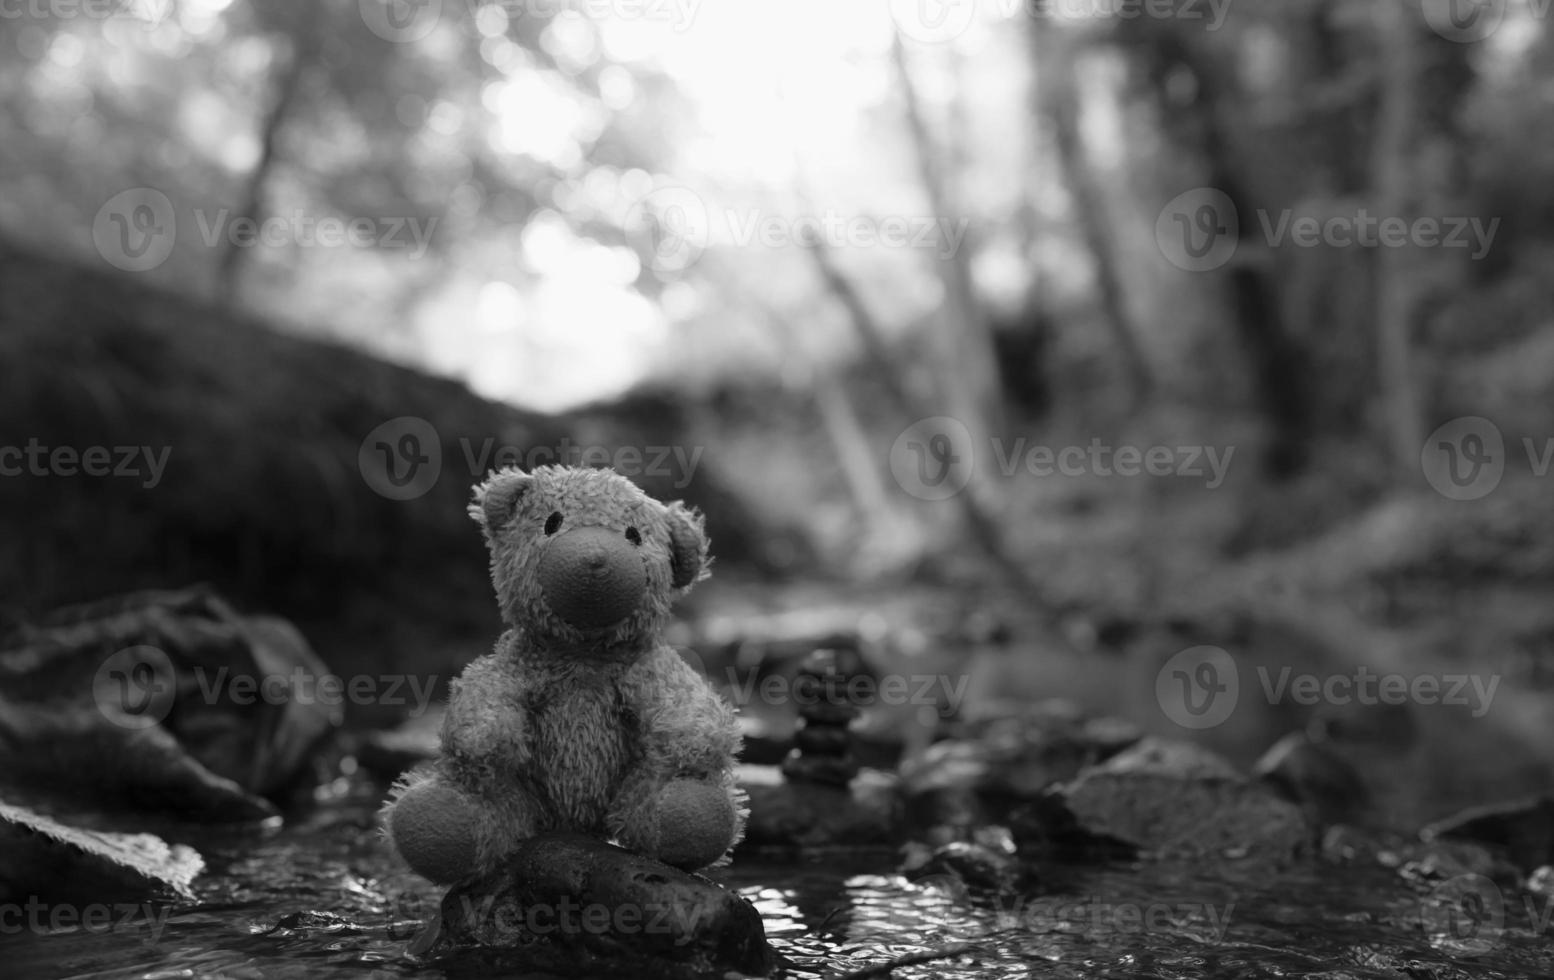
{"x":485,"y":728}
{"x":681,"y":803}
{"x":686,"y":727}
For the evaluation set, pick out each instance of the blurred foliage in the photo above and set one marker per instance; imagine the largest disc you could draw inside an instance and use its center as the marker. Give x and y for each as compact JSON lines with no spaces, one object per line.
{"x":528,"y":139}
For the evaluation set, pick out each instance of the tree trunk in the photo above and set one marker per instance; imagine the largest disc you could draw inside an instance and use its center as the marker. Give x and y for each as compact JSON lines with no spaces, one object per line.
{"x":229,"y":267}
{"x":1395,"y":143}
{"x":968,"y":376}
{"x":1058,"y":106}
{"x":1277,"y":362}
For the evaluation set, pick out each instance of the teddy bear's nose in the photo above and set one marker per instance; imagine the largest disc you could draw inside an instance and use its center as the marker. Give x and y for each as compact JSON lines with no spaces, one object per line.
{"x":592,"y":577}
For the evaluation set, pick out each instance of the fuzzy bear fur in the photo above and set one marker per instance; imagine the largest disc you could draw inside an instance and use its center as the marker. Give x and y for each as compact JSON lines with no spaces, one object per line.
{"x":564,"y":729}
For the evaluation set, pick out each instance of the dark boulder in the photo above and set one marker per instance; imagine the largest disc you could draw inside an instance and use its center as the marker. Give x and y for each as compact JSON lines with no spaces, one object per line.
{"x":793,"y":813}
{"x":47,"y":859}
{"x":166,"y":701}
{"x":998,"y":765}
{"x":575,"y":905}
{"x":1173,"y":799}
{"x":1319,"y":777}
{"x":1523,"y":829}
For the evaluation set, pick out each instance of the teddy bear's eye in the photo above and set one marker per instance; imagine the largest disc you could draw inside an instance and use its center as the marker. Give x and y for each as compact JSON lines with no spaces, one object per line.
{"x":633,"y":536}
{"x":553,"y":522}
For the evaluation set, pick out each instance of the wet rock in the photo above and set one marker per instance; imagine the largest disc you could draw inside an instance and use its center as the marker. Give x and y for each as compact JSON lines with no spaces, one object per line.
{"x":972,"y":866}
{"x":1411,"y":858}
{"x":1349,"y":845}
{"x":1524,"y":829}
{"x":1437,"y":861}
{"x":1317,"y":777}
{"x":823,"y":745}
{"x":998,"y":765}
{"x":44,"y":857}
{"x":1541,"y":882}
{"x":867,"y":810}
{"x":1108,"y":736}
{"x":576,"y":905}
{"x":311,"y":922}
{"x":822,"y":770}
{"x":163,"y":700}
{"x":1165,"y":757}
{"x":819,"y":740}
{"x":1048,"y":743}
{"x":1172,"y":799}
{"x":769,"y":745}
{"x":1393,"y":727}
{"x":949,"y":765}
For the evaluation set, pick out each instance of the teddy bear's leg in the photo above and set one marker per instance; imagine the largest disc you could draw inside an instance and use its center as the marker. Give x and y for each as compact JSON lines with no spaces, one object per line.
{"x":445,"y":833}
{"x":688,"y":823}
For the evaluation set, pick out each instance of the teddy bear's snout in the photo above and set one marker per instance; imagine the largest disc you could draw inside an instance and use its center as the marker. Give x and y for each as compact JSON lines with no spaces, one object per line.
{"x":592,"y":577}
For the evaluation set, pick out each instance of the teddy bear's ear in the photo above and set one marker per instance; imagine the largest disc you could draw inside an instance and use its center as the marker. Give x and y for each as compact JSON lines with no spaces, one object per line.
{"x":496,"y":500}
{"x":687,"y":544}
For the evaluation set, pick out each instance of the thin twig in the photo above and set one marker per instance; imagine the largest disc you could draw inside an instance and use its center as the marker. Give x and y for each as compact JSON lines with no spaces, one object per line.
{"x":910,"y":959}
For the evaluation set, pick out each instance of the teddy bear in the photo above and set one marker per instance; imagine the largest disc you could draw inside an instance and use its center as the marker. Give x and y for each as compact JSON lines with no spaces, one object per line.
{"x":583,"y":719}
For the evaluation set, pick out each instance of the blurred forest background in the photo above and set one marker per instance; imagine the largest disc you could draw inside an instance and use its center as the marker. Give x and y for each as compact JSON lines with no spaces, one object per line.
{"x":584,"y":175}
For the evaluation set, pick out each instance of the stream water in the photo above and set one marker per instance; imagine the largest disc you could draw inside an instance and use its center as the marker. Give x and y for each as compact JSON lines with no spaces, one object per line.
{"x":321,"y":898}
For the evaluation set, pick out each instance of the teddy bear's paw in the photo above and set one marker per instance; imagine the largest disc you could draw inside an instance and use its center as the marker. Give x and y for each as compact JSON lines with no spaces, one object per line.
{"x":436,"y":829}
{"x":698,"y":823}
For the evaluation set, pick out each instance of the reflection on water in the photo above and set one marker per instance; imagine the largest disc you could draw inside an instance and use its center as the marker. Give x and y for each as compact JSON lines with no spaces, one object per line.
{"x":322,"y":899}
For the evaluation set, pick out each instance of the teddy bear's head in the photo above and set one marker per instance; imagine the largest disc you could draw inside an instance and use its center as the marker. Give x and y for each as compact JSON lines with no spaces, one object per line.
{"x":582,"y":557}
